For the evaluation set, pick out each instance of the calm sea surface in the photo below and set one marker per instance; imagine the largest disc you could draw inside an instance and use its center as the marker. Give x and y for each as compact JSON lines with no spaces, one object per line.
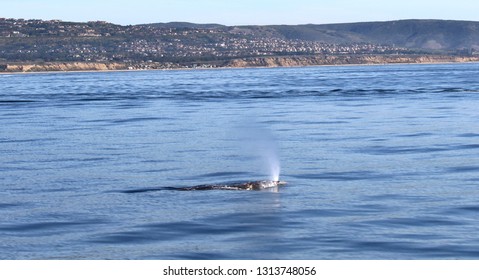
{"x":382,"y":162}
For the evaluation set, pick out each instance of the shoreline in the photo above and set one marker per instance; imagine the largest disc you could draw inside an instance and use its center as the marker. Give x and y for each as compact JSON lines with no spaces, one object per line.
{"x":242,"y":63}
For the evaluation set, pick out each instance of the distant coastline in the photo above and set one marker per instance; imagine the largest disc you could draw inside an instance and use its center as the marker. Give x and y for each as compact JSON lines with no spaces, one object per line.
{"x":44,"y":46}
{"x":253,"y":62}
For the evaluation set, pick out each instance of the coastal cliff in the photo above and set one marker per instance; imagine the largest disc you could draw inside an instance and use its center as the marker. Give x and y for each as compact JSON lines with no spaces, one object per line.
{"x":270,"y":61}
{"x":344,"y":60}
{"x":61,"y":66}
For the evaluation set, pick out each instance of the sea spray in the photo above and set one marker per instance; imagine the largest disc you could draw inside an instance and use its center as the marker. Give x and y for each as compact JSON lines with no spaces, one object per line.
{"x":260,"y":142}
{"x":269,"y":154}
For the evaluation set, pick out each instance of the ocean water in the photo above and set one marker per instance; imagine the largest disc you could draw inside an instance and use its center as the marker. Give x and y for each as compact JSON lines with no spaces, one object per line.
{"x":382,"y":162}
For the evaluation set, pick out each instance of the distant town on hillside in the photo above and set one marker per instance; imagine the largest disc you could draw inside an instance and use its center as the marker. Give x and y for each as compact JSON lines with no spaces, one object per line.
{"x":180,"y":45}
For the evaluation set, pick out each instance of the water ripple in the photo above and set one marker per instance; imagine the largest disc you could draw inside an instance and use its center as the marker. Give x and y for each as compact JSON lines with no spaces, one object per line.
{"x":414,"y":222}
{"x":462,"y":169}
{"x":223,"y":225}
{"x":47,"y":227}
{"x":343,"y":176}
{"x":8,"y":205}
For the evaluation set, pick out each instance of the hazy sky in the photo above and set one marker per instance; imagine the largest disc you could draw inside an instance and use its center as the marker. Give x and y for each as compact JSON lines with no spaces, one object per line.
{"x":239,"y":12}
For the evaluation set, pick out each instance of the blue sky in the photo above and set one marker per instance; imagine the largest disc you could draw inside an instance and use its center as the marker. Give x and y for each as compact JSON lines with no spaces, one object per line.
{"x":240,"y":12}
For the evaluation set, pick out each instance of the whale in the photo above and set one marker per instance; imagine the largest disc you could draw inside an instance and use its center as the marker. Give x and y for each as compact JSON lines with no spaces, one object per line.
{"x":247,"y":186}
{"x":244,"y":186}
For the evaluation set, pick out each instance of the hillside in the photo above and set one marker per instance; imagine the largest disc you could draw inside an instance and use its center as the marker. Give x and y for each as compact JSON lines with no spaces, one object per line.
{"x":413,"y":34}
{"x":182,"y":44}
{"x":416,"y":34}
{"x":178,"y":24}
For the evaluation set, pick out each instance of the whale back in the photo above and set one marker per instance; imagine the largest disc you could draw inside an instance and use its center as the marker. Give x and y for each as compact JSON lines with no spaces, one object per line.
{"x":248,"y":186}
